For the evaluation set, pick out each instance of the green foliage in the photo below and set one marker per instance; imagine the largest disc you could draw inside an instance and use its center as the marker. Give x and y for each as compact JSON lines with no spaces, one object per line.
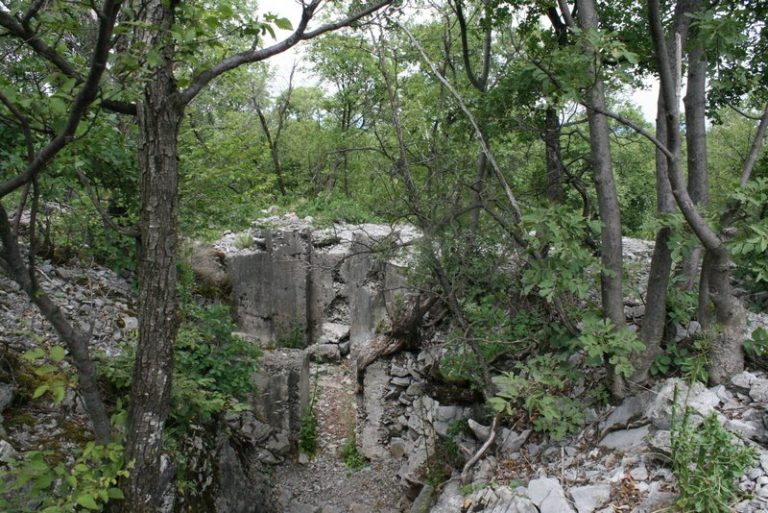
{"x":212,"y":372}
{"x":327,"y":209}
{"x":41,"y":482}
{"x":757,"y":345}
{"x":558,"y":233}
{"x":707,"y":461}
{"x":53,"y":377}
{"x":602,"y":343}
{"x":308,"y":441}
{"x":538,"y":386}
{"x":295,"y":337}
{"x":750,"y":247}
{"x":691,"y":360}
{"x":353,"y":460}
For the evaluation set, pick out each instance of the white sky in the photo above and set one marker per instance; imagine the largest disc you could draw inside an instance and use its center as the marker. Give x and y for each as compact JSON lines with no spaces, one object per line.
{"x":645,"y":98}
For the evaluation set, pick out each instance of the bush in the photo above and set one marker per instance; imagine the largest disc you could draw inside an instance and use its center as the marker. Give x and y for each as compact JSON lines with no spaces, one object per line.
{"x":353,"y":460}
{"x":538,"y":386}
{"x":707,"y":462}
{"x":212,"y":373}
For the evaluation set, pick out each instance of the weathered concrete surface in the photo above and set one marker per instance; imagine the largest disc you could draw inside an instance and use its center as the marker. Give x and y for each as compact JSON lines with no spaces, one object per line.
{"x":283,"y":390}
{"x":294,"y":279}
{"x":269,"y":287}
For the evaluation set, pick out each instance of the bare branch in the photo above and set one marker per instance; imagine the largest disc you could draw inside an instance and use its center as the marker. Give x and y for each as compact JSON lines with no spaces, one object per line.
{"x":202,"y":79}
{"x":754,"y":150}
{"x":123,"y":230}
{"x":478,"y":133}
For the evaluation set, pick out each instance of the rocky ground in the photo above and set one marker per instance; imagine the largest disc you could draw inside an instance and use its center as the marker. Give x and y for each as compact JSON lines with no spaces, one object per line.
{"x":326,"y":483}
{"x":618,"y":462}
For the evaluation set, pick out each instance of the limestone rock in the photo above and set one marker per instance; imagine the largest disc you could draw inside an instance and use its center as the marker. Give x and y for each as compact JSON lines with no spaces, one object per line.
{"x":548,"y":495}
{"x":7,"y":393}
{"x":589,"y":498}
{"x":511,"y":441}
{"x":625,"y":439}
{"x":324,"y":353}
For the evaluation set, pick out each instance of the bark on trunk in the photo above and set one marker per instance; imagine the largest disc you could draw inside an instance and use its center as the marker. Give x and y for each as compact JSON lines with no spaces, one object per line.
{"x":608,"y":203}
{"x":554,"y":156}
{"x":726,"y":357}
{"x":654,"y":320}
{"x":159,"y":115}
{"x":696,"y":139}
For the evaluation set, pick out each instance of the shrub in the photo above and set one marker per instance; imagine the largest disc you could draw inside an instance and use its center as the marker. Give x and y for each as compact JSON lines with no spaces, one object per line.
{"x":707,"y":462}
{"x":353,"y":460}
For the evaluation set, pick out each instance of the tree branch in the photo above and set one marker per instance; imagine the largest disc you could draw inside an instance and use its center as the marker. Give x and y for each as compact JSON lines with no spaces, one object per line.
{"x":82,"y":101}
{"x":122,"y":230}
{"x":518,"y":216}
{"x":203,"y":78}
{"x":754,"y":150}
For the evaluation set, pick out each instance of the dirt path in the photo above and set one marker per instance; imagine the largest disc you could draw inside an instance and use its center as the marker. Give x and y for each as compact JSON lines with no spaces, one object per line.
{"x":325,"y":484}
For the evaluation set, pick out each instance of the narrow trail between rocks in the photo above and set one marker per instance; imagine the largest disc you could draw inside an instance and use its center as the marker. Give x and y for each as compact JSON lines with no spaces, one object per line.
{"x":325,"y":484}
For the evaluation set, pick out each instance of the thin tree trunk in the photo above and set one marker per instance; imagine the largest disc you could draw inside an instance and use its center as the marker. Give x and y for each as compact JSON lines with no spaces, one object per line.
{"x":608,"y":202}
{"x":75,"y":340}
{"x":726,"y":356}
{"x":696,"y":139}
{"x":159,"y":116}
{"x":655,"y":317}
{"x":554,"y":156}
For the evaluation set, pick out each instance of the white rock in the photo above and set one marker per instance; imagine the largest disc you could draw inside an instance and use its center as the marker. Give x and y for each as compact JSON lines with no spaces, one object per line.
{"x":589,"y":498}
{"x":549,"y":496}
{"x":625,"y":439}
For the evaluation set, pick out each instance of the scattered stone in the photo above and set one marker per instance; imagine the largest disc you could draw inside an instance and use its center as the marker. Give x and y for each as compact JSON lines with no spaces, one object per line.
{"x":661,"y":443}
{"x":7,"y":393}
{"x":481,"y":432}
{"x":7,"y":451}
{"x":625,"y":440}
{"x":548,"y":495}
{"x":423,"y":500}
{"x":324,"y":353}
{"x":512,"y":441}
{"x":589,"y":498}
{"x":632,"y":408}
{"x":759,"y":391}
{"x":639,"y":473}
{"x":333,"y":333}
{"x":743,"y":380}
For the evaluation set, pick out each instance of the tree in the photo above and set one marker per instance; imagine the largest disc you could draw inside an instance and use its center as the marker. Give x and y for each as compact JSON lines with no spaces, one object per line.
{"x":160,"y":112}
{"x":43,"y":143}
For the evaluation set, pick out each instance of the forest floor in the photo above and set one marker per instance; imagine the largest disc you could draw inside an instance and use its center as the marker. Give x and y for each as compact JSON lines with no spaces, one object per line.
{"x":328,"y":482}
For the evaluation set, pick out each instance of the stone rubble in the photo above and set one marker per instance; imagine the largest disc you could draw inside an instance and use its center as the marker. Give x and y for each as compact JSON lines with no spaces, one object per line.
{"x":395,"y":409}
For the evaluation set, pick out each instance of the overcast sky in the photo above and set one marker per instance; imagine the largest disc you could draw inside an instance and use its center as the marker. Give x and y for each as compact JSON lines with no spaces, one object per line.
{"x":282,"y":63}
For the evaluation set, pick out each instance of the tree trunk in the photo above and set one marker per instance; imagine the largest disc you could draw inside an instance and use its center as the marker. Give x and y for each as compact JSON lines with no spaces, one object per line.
{"x":726,"y":354}
{"x":608,"y":202}
{"x":554,"y":156}
{"x":696,"y":139}
{"x":655,"y":318}
{"x":727,"y":345}
{"x":159,"y":116}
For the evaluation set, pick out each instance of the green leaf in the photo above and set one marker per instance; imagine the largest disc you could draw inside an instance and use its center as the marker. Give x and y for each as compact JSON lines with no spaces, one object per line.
{"x":115,"y":493}
{"x":153,"y":58}
{"x":57,"y":354}
{"x":39,"y":391}
{"x":33,"y":354}
{"x":58,"y":393}
{"x":88,"y":502}
{"x":283,"y":24}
